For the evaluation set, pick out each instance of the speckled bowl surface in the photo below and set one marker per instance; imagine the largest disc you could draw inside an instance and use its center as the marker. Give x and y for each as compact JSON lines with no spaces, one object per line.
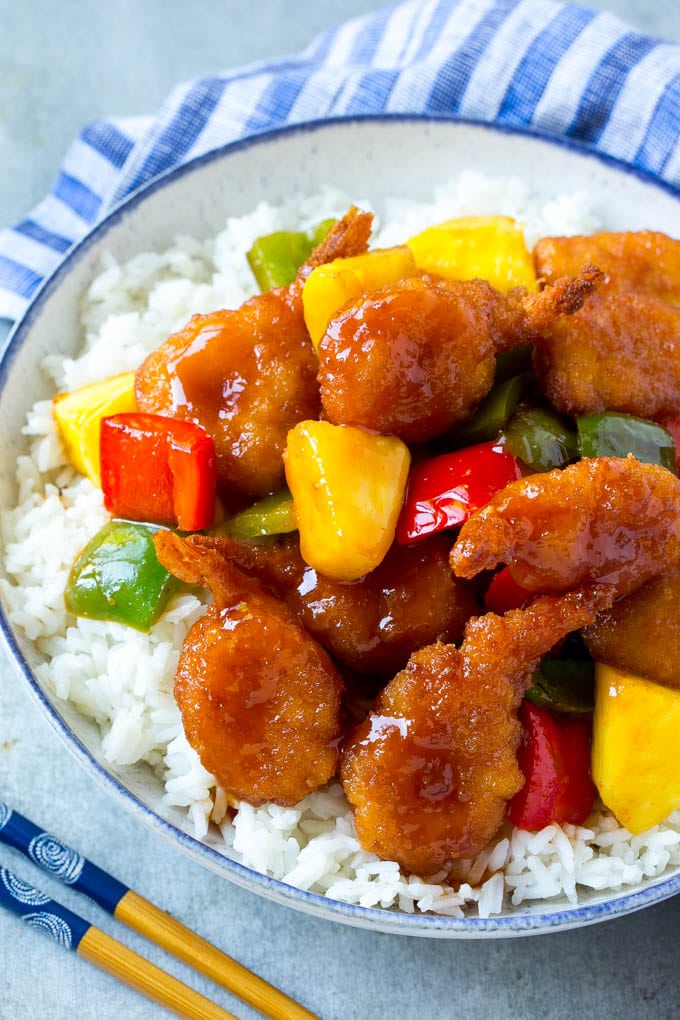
{"x":369,"y":158}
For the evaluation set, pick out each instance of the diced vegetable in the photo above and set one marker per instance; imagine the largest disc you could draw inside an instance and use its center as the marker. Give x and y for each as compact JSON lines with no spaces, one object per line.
{"x":332,"y":285}
{"x":273,"y":515}
{"x":615,"y":435}
{"x":540,"y":438}
{"x":514,"y":362}
{"x":158,"y":469}
{"x":504,"y":593}
{"x":494,"y":411}
{"x":79,"y":413}
{"x":348,"y":487}
{"x":564,"y":685}
{"x":445,"y":491}
{"x":636,"y":733}
{"x":276,"y":258}
{"x":484,"y":247}
{"x":318,"y":233}
{"x":555,"y":759}
{"x":118,"y":577}
{"x":672,"y":426}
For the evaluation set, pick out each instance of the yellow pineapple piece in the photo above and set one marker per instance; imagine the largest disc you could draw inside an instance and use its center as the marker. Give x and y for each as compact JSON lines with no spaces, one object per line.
{"x":636,"y":734}
{"x":348,"y":487}
{"x":332,"y":285}
{"x":476,"y":247}
{"x":78,"y":414}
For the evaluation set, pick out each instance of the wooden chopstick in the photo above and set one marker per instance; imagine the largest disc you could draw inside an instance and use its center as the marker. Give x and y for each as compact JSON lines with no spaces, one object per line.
{"x":123,"y":903}
{"x":165,"y":931}
{"x":73,"y":932}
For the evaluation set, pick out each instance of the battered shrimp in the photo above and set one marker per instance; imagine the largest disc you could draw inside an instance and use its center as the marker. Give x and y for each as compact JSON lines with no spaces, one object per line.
{"x":260,"y":699}
{"x":643,"y":261}
{"x":641,"y":633}
{"x":622,"y":351}
{"x":247,"y":375}
{"x":606,"y":519}
{"x":416,"y":357}
{"x":431,"y":769}
{"x":373,"y":624}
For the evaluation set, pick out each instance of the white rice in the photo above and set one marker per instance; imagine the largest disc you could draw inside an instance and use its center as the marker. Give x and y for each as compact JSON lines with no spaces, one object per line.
{"x":123,"y":679}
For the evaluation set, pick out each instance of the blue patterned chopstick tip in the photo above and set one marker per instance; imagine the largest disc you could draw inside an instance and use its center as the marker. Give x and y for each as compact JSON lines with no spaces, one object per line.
{"x":60,"y":860}
{"x":40,"y":911}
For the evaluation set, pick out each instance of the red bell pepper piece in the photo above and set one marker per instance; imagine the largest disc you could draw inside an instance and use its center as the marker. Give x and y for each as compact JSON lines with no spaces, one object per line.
{"x":555,"y":759}
{"x":158,"y":469}
{"x":445,"y":491}
{"x":504,"y":593}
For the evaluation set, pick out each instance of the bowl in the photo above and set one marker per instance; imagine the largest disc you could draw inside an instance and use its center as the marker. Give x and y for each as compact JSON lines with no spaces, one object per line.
{"x":368,"y":158}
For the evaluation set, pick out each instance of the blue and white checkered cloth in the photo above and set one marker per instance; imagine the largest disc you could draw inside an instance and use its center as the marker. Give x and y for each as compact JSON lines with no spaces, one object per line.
{"x":556,"y":68}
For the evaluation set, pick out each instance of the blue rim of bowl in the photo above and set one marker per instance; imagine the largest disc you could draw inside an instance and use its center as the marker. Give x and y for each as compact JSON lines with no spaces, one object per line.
{"x":390,"y":921}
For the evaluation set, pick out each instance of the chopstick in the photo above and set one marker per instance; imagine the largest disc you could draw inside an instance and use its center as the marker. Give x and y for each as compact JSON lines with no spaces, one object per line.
{"x":73,"y":932}
{"x":123,"y":903}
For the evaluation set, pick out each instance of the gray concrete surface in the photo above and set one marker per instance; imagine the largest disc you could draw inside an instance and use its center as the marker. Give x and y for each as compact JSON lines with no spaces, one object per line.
{"x":61,"y":65}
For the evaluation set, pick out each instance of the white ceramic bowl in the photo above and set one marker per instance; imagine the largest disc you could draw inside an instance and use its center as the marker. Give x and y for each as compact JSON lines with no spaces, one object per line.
{"x":368,"y":158}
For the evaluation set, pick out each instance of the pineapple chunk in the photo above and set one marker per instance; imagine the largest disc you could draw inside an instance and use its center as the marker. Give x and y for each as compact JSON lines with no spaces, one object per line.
{"x":636,"y":732}
{"x":78,"y":414}
{"x":348,"y":486}
{"x":333,"y":284}
{"x":484,"y":247}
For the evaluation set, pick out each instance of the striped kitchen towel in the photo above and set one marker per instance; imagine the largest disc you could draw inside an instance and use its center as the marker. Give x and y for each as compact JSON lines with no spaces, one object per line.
{"x":556,"y":68}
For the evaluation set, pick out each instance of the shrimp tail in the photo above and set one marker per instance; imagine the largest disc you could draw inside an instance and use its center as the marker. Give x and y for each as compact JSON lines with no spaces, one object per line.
{"x":565,"y":296}
{"x":196,"y":560}
{"x":347,"y":237}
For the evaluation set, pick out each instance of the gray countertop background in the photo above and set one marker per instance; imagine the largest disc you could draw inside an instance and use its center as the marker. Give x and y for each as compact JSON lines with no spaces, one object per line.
{"x":60,"y":66}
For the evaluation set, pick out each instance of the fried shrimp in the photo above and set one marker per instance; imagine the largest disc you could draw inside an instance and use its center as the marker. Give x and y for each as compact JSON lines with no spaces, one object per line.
{"x":643,"y":261}
{"x":260,"y":699}
{"x":641,"y":633}
{"x":606,"y":519}
{"x":247,"y":375}
{"x":430,"y":771}
{"x":371,"y":625}
{"x":416,"y":357}
{"x":621,"y":352}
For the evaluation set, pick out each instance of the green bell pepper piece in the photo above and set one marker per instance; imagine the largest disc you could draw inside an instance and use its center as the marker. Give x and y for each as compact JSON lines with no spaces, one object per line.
{"x":564,"y":685}
{"x":513,"y":362}
{"x":318,"y":233}
{"x":540,"y":438}
{"x":118,"y":577}
{"x":275,"y":258}
{"x":495,"y":410}
{"x":613,"y":434}
{"x":273,"y":515}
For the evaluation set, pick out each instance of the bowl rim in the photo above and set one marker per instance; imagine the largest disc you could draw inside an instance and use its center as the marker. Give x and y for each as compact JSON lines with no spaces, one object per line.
{"x":372,"y":918}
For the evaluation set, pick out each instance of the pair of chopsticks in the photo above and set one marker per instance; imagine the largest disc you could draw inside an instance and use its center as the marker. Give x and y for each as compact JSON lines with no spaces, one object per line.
{"x":73,"y":932}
